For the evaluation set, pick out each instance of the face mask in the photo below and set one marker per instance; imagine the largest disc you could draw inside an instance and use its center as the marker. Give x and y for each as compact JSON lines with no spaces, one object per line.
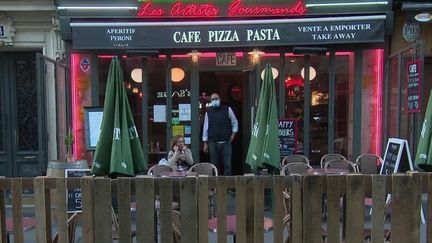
{"x":215,"y":103}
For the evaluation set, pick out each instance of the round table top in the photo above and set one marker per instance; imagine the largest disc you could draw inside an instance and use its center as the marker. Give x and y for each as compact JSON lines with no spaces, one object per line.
{"x":329,"y":171}
{"x":28,"y":224}
{"x":231,"y":224}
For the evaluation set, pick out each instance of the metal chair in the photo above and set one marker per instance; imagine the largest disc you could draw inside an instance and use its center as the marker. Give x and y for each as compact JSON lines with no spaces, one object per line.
{"x":71,"y":226}
{"x":210,"y":170}
{"x":368,"y":163}
{"x":328,"y":157}
{"x":296,"y":168}
{"x":176,"y":224}
{"x":295,"y":158}
{"x":156,"y":170}
{"x":204,"y":169}
{"x":341,"y":164}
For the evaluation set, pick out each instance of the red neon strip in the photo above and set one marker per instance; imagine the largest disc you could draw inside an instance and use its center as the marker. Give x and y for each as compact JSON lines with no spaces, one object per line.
{"x":74,"y":80}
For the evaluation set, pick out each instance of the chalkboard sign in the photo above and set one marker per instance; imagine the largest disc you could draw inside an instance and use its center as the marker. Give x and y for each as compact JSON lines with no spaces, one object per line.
{"x":74,"y":201}
{"x":287,"y":137}
{"x":397,"y":157}
{"x":413,"y":88}
{"x":92,"y":121}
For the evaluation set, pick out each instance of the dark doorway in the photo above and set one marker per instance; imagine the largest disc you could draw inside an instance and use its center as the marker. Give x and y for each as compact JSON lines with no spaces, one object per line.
{"x":231,"y":86}
{"x":22,"y":149}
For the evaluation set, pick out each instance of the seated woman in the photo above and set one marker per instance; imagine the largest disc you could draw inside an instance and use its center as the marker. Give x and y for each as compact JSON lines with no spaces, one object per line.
{"x":180,"y":157}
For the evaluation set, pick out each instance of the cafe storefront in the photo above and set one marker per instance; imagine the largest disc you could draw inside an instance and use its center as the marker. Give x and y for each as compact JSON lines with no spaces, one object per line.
{"x":176,"y":54}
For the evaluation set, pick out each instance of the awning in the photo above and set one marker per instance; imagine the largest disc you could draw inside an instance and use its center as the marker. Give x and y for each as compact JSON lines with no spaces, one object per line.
{"x":223,"y":34}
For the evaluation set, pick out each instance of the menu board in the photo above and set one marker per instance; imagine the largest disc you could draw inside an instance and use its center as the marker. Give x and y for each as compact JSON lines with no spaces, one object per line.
{"x":413,"y":88}
{"x":288,"y":132}
{"x":74,"y":200}
{"x":397,"y":157}
{"x":93,"y":120}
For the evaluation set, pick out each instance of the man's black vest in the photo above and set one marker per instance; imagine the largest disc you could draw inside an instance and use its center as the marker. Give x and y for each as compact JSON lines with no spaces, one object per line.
{"x":219,"y":126}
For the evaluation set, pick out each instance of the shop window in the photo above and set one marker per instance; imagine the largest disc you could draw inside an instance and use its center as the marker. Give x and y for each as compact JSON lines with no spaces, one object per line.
{"x":372,"y":86}
{"x":393,"y":94}
{"x":344,"y":99}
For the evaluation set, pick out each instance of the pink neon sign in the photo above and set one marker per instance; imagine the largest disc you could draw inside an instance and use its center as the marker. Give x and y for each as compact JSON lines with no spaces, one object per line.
{"x":235,"y":8}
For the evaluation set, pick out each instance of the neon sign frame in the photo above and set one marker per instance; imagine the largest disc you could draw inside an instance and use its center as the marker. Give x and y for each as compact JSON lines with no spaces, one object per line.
{"x":235,"y":8}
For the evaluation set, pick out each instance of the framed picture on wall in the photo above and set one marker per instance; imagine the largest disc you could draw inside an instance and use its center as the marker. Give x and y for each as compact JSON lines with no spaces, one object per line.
{"x":92,"y":120}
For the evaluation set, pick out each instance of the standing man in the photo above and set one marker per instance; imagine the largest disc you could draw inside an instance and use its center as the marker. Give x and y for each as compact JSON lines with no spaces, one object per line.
{"x":220,"y":127}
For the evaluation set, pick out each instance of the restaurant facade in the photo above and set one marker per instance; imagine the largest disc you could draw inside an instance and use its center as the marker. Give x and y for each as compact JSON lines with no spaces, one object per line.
{"x":328,"y":59}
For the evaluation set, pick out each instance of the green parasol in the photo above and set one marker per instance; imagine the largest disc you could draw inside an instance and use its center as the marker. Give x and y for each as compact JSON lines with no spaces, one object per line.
{"x":424,"y":150}
{"x":118,"y":151}
{"x":264,"y":145}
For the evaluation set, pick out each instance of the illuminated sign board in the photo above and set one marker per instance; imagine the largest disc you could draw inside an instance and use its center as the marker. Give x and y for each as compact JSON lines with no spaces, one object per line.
{"x":204,"y":34}
{"x":232,"y":8}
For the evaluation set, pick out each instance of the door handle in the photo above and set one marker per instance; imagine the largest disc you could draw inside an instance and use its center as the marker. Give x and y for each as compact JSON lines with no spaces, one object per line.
{"x":30,"y":157}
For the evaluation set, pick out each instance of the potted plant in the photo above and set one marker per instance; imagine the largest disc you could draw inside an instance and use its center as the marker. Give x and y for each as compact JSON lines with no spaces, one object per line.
{"x":69,"y":141}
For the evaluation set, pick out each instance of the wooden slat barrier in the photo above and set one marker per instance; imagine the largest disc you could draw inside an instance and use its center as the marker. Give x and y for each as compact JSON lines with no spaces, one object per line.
{"x":61,"y":209}
{"x":145,"y":214}
{"x":312,"y":213}
{"x":221,"y":209}
{"x":189,"y":212}
{"x":124,"y":208}
{"x":305,"y":198}
{"x":2,"y":210}
{"x":165,"y":214}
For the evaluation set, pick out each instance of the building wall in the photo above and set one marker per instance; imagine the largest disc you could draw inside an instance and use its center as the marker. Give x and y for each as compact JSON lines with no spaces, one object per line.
{"x":34,"y":27}
{"x":398,"y":41}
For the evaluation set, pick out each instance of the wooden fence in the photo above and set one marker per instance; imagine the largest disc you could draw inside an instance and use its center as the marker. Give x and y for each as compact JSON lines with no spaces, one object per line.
{"x":307,"y":195}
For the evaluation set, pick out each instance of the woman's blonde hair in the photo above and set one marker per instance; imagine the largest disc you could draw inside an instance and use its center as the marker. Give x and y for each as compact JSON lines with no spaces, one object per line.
{"x":174,"y":140}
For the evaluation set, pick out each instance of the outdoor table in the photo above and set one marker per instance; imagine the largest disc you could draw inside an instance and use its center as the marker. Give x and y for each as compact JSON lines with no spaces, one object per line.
{"x":177,"y":174}
{"x":329,"y":171}
{"x":28,"y":224}
{"x":231,"y":223}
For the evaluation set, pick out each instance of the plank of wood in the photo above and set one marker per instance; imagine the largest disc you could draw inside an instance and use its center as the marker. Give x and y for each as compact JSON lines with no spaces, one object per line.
{"x":278,"y":212}
{"x":87,"y":209}
{"x":333,"y":208}
{"x":355,"y":193}
{"x":145,"y":211}
{"x":61,"y":210}
{"x":17,"y":213}
{"x":102,"y":210}
{"x":124,"y":207}
{"x":3,"y":235}
{"x":429,"y":212}
{"x":221,"y":212}
{"x":312,"y":211}
{"x":404,"y":198}
{"x":378,"y":208}
{"x":189,"y":212}
{"x":296,"y":226}
{"x":259,"y":209}
{"x":240,"y":198}
{"x":203,"y":207}
{"x":415,"y":204}
{"x":40,"y":211}
{"x":165,"y":213}
{"x":250,"y":209}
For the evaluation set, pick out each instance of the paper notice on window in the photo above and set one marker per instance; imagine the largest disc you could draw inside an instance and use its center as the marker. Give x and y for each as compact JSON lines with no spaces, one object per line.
{"x":178,"y":130}
{"x":187,"y":140}
{"x":159,"y":113}
{"x":95,"y":121}
{"x":184,"y":112}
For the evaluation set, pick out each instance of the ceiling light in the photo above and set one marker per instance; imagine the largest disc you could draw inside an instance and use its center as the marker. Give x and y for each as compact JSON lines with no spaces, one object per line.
{"x":275,"y":73}
{"x":136,"y":75}
{"x":177,"y":74}
{"x":194,"y":55}
{"x":312,"y":73}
